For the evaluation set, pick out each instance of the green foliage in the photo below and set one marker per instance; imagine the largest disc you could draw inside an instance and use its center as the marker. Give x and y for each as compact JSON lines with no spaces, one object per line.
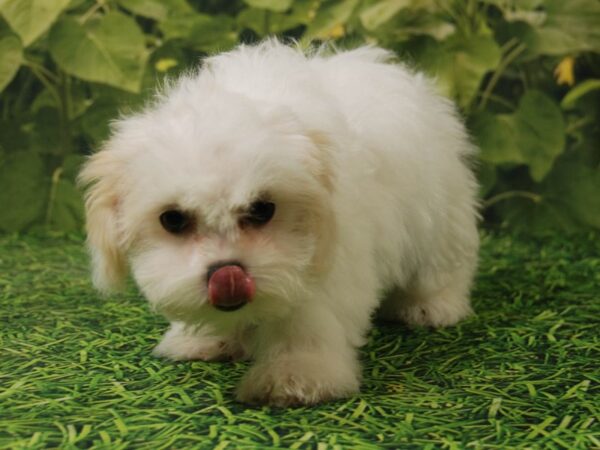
{"x":525,"y":74}
{"x":156,"y":9}
{"x":270,"y":5}
{"x":460,"y":62}
{"x":533,"y":135}
{"x":12,"y":55}
{"x":31,"y":18}
{"x":108,"y":49}
{"x":562,"y":27}
{"x":583,"y":88}
{"x":22,"y":196}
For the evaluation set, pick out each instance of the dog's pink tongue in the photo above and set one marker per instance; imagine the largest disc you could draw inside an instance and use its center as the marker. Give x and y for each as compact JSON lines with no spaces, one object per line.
{"x":230,"y":286}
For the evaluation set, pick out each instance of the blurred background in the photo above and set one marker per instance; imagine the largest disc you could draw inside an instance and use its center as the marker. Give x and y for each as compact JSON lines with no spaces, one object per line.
{"x":524,"y":73}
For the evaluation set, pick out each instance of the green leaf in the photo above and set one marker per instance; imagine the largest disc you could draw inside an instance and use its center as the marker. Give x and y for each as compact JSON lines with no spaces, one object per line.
{"x":255,"y":20}
{"x":271,"y":5}
{"x":12,"y":56}
{"x":64,"y":210}
{"x":71,"y":166}
{"x":540,"y":132}
{"x":522,"y":10}
{"x":95,"y":123}
{"x":486,"y":175}
{"x":201,"y":32}
{"x":329,"y":16}
{"x":22,"y":190}
{"x":107,"y":105}
{"x":44,"y":99}
{"x":431,"y":25}
{"x":31,"y":18}
{"x":381,"y":12}
{"x":568,"y":27}
{"x":568,"y":201}
{"x":108,"y":49}
{"x":579,"y":91}
{"x":13,"y":136}
{"x":496,"y":138}
{"x":417,"y":19}
{"x":576,"y":188}
{"x":157,"y":9}
{"x":46,"y":132}
{"x":460,"y":63}
{"x":78,"y":101}
{"x":541,"y":217}
{"x":74,"y":4}
{"x":534,"y":135}
{"x":264,"y":22}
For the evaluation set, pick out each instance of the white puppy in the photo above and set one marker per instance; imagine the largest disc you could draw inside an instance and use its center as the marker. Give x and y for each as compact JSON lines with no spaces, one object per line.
{"x":265,"y":203}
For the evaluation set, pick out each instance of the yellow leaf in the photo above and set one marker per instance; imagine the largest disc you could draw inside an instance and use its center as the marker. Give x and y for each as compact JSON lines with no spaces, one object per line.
{"x":164,"y":64}
{"x":564,"y":72}
{"x":335,"y":32}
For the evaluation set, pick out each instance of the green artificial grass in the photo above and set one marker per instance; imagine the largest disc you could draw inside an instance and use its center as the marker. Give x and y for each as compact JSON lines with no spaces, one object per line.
{"x":76,"y":370}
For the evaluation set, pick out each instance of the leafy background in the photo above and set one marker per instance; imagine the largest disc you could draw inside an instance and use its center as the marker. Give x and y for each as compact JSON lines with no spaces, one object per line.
{"x":525,"y":74}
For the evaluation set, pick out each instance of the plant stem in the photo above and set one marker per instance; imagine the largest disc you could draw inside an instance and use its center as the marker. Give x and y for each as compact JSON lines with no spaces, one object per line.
{"x":506,"y":61}
{"x":573,"y":126}
{"x":22,"y":100}
{"x":90,"y":12}
{"x":501,"y":101}
{"x":42,"y":76}
{"x":535,"y":198}
{"x":64,"y":116}
{"x":49,"y":75}
{"x":52,"y":197}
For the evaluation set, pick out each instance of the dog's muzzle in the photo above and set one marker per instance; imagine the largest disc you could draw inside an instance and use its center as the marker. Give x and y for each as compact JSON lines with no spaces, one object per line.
{"x":229,"y":286}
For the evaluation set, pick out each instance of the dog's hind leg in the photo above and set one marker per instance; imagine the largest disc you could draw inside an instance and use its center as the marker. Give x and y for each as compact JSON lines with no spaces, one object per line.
{"x":435,"y":300}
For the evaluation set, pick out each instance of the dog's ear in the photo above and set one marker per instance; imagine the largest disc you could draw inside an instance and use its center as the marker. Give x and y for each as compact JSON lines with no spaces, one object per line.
{"x":101,"y":177}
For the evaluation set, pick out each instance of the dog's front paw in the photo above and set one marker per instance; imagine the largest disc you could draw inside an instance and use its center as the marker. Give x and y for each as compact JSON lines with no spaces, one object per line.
{"x":182,"y":344}
{"x":299,"y":380}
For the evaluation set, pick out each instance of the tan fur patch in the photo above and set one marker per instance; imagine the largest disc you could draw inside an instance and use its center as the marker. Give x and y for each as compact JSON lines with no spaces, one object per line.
{"x":100,"y":176}
{"x":323,"y":156}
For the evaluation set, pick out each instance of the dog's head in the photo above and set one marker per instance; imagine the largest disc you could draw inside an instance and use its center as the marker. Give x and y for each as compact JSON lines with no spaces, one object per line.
{"x":220,"y":206}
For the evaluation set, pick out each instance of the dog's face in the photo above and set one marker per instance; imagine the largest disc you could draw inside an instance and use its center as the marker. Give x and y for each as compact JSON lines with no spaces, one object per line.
{"x":221,"y":210}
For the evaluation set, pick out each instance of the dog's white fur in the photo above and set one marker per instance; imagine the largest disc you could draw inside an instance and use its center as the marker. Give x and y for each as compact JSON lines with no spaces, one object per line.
{"x":369,"y":172}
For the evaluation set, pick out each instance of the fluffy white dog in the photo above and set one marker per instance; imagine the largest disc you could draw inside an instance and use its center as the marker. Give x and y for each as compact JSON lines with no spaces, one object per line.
{"x":267,"y":202}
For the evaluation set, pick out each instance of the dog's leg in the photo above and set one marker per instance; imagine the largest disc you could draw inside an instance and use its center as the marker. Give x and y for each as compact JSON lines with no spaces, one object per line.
{"x":183,"y":342}
{"x":306,"y":359}
{"x":432,"y":300}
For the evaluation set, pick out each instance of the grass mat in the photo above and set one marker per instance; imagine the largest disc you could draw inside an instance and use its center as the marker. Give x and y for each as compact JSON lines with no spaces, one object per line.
{"x":76,"y":370}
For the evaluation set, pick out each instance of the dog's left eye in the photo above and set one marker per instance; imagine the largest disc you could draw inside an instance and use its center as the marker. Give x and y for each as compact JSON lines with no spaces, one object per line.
{"x":175,"y":222}
{"x":259,"y":213}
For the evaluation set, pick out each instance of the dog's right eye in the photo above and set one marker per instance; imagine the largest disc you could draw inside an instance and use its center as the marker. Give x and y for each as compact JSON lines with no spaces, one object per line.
{"x":259,"y":214}
{"x":175,"y":222}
